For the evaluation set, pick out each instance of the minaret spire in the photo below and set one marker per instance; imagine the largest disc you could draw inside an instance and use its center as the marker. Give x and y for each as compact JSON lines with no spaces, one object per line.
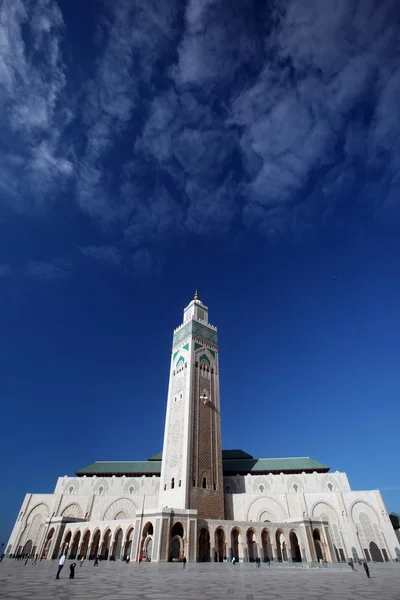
{"x":196,"y":295}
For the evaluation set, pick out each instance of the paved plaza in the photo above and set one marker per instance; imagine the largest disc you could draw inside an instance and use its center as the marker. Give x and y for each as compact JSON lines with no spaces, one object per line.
{"x":147,"y":581}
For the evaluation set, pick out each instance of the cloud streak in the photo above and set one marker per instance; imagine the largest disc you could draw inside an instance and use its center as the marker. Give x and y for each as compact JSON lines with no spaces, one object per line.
{"x":33,"y":105}
{"x":201,"y":117}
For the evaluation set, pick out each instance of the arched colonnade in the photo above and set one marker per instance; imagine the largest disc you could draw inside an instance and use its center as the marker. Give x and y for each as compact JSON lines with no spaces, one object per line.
{"x":218,"y":543}
{"x":106,"y":543}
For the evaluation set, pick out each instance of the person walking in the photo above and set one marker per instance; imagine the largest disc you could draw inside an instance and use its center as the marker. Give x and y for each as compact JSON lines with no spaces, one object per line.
{"x":258,"y":562}
{"x":184,"y":562}
{"x":351,"y":565}
{"x":233,"y":560}
{"x":35,"y":559}
{"x":72,"y":570}
{"x":366,"y":569}
{"x":96,"y":562}
{"x":60,"y":565}
{"x":82,"y":560}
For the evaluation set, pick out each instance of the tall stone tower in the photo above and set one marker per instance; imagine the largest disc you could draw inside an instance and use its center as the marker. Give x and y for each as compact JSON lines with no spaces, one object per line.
{"x":191,"y":473}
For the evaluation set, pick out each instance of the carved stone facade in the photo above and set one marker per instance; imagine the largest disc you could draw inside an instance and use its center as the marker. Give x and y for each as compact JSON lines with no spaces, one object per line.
{"x":198,"y":504}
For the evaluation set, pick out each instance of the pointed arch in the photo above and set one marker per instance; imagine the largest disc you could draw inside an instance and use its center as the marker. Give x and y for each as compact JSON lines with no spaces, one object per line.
{"x":122,"y":505}
{"x":72,"y":510}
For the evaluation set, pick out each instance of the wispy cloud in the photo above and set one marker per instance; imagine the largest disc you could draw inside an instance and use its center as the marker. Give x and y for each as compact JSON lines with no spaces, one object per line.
{"x":46,"y":271}
{"x":134,"y":38}
{"x":105,"y":255}
{"x":200,"y":117}
{"x":5,"y":270}
{"x":33,"y":105}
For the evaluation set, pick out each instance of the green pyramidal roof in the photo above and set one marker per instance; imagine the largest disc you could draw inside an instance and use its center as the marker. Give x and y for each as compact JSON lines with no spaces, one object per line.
{"x":395,"y":519}
{"x":226,"y":455}
{"x":234,"y":462}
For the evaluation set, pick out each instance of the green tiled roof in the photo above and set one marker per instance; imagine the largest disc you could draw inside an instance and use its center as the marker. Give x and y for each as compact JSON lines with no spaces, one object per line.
{"x":274,"y":465}
{"x":226,"y":455}
{"x":156,"y":457}
{"x":122,"y":468}
{"x":236,"y":463}
{"x":235,"y":455}
{"x":395,"y":519}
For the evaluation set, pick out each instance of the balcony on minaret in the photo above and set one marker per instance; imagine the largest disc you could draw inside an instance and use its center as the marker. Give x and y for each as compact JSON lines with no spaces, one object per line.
{"x":196,"y":310}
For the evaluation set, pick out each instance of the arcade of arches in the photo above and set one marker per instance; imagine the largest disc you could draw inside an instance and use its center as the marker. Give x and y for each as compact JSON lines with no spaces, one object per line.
{"x":220,"y":545}
{"x":215,"y":543}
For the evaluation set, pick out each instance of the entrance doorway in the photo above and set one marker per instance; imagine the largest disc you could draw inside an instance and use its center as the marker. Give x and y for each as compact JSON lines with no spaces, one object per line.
{"x":176,"y":552}
{"x":295,"y":548}
{"x":146,"y":544}
{"x":266,"y":545}
{"x":318,"y":545}
{"x":220,"y":552}
{"x":376,"y":554}
{"x":204,"y":545}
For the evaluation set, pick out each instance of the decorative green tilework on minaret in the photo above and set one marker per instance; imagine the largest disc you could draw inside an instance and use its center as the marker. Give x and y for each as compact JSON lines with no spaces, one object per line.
{"x":196,"y":330}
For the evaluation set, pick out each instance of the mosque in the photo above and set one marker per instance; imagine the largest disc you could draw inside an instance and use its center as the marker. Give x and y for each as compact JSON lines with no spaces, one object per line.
{"x":199,"y":501}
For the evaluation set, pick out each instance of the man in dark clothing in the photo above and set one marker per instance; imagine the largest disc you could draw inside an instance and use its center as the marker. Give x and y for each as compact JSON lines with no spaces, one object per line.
{"x":366,"y":568}
{"x":351,"y":565}
{"x":96,"y":562}
{"x":72,"y":571}
{"x":184,"y":561}
{"x":258,"y":562}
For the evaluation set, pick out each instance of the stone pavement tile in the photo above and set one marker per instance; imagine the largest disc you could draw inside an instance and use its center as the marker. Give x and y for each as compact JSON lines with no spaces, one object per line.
{"x":118,"y":581}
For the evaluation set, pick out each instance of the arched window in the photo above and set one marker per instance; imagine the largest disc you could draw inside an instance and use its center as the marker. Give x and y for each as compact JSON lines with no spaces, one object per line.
{"x":261,"y":488}
{"x":101,"y":489}
{"x":165,"y":487}
{"x":172,"y":483}
{"x":194,"y":483}
{"x":330,"y":487}
{"x":204,"y":482}
{"x":131,"y":489}
{"x":180,"y":483}
{"x":228,"y":489}
{"x":296,"y":487}
{"x":71,"y":489}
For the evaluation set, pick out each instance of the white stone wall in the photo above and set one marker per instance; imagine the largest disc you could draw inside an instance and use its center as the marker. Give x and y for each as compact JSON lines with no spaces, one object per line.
{"x":97,"y":499}
{"x":356,"y":518}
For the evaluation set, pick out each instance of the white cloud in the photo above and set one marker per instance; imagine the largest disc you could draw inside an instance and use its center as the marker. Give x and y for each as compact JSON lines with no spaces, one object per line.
{"x":135,"y":38}
{"x":5,"y":270}
{"x":104,"y":255}
{"x":32,"y":80}
{"x":45,"y":270}
{"x":197,"y":117}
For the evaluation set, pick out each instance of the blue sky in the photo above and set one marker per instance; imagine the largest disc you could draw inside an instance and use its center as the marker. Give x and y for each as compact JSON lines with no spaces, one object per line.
{"x":250,"y":150}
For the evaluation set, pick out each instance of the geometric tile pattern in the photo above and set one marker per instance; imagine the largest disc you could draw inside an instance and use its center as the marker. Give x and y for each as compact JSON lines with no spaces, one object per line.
{"x":160,"y":581}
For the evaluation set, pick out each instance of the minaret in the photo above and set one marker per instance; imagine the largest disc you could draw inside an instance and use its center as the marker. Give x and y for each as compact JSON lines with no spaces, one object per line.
{"x":191,"y":473}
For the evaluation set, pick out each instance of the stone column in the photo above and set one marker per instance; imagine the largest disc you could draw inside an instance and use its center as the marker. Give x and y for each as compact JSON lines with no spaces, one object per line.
{"x":329,"y":544}
{"x":241,"y":550}
{"x":305,"y":547}
{"x":88,"y":548}
{"x":311,"y":545}
{"x":53,"y":542}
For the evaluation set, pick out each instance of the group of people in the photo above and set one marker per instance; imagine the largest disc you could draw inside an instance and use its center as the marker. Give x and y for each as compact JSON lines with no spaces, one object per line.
{"x":257,"y":560}
{"x":61,"y":565}
{"x":363,"y":563}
